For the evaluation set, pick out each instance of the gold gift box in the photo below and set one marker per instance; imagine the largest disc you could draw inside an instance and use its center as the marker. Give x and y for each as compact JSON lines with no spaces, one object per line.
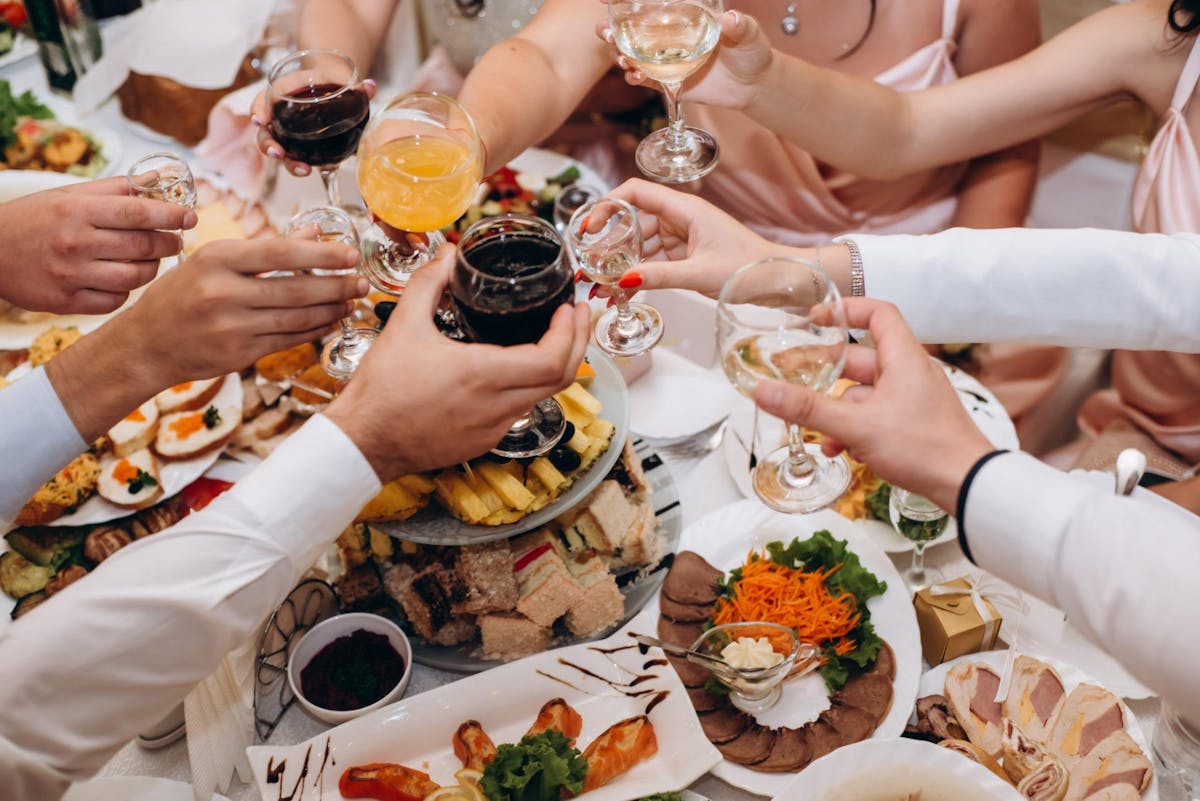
{"x":951,"y":625}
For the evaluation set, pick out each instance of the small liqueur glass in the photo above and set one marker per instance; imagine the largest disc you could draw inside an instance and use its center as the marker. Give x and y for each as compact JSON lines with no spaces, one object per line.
{"x":606,"y":239}
{"x":755,"y":689}
{"x":163,"y":176}
{"x":921,"y":521}
{"x":341,"y":355}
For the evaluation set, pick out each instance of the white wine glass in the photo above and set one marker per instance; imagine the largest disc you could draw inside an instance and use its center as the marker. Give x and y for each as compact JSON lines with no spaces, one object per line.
{"x":668,"y":40}
{"x":606,"y":240}
{"x":341,"y":355}
{"x":163,"y":176}
{"x":921,"y":521}
{"x":783,"y":320}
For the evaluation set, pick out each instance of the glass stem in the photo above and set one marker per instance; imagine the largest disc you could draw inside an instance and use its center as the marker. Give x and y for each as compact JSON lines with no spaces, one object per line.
{"x":333,"y":193}
{"x":799,"y":470}
{"x":917,"y":571}
{"x":677,"y":136}
{"x":626,"y":323}
{"x":349,"y":332}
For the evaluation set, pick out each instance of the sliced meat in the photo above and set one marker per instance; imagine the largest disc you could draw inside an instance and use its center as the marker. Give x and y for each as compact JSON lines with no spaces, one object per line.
{"x":750,"y":747}
{"x":684,"y":613}
{"x":983,"y":702}
{"x":822,"y":738}
{"x":690,"y":674}
{"x":692,"y":580}
{"x":789,"y":752}
{"x":852,"y":723}
{"x":870,"y":692}
{"x":1094,"y":731}
{"x":885,"y":662}
{"x":703,"y":700}
{"x":723,"y":724}
{"x":681,"y":634}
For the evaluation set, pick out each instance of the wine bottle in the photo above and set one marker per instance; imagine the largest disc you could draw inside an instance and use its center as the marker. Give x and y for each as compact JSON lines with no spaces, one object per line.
{"x":52,"y":47}
{"x":114,"y":8}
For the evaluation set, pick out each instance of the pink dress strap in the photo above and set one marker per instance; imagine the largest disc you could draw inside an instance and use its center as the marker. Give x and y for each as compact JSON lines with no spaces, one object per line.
{"x":949,"y":19}
{"x":1187,"y":78}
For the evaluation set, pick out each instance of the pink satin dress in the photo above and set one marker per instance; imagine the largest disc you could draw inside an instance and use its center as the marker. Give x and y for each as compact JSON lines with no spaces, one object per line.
{"x":1156,"y":391}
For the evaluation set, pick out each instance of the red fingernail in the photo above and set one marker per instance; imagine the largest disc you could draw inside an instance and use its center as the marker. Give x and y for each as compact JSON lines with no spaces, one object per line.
{"x":578,"y":276}
{"x":611,"y":301}
{"x":583,"y":225}
{"x":630,"y":280}
{"x":592,"y":292}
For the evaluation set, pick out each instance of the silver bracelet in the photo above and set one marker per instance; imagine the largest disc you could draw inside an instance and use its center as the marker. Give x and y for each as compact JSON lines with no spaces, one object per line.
{"x":858,"y":285}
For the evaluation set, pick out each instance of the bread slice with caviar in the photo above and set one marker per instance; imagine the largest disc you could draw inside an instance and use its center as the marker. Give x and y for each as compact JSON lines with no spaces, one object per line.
{"x":136,"y":431}
{"x":132,"y":481}
{"x":70,"y":486}
{"x":186,"y":435}
{"x":189,"y":396}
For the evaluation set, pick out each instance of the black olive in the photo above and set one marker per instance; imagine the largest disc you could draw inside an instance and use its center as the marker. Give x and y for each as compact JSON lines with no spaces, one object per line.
{"x":383,"y":310}
{"x":565,"y":460}
{"x":525,"y":461}
{"x":497,"y":458}
{"x":568,"y":433}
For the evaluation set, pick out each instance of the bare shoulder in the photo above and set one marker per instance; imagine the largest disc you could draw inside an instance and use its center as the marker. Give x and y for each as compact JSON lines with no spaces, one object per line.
{"x":1153,"y":55}
{"x":991,"y":32}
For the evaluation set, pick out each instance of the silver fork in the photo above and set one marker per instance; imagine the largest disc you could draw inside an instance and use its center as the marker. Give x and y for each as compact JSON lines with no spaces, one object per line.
{"x":693,"y":447}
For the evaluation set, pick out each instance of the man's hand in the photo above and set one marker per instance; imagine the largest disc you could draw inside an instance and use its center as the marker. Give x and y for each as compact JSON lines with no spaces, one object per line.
{"x":82,"y":249}
{"x":420,"y":401}
{"x":905,"y":420}
{"x":688,"y":242}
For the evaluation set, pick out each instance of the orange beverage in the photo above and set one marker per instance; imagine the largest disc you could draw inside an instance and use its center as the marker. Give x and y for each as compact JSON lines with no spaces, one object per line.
{"x":419,"y":183}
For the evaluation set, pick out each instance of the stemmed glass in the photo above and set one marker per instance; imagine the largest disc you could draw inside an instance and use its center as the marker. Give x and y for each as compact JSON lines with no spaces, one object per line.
{"x":341,"y":356}
{"x":607,"y":242}
{"x":668,"y":40}
{"x":920,"y":520}
{"x":318,"y":112}
{"x":782,"y":319}
{"x":419,"y":166}
{"x":510,"y":277}
{"x":163,"y":176}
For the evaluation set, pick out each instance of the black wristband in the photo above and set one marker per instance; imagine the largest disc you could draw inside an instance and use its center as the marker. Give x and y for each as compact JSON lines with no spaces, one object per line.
{"x":960,"y":506}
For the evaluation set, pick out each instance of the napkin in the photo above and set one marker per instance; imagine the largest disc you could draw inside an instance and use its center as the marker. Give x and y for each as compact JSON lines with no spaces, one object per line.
{"x":220,"y":723}
{"x":198,"y":43}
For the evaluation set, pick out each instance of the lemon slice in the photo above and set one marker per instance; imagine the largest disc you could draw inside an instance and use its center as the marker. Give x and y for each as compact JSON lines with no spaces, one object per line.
{"x":468,"y":775}
{"x":453,"y":793}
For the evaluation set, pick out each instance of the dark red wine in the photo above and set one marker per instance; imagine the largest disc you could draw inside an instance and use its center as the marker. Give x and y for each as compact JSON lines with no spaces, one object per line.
{"x":494,"y":309}
{"x":321,"y":133}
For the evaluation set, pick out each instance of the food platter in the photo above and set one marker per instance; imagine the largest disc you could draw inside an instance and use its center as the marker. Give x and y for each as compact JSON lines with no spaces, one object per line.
{"x":638,"y":585}
{"x":986,"y":411}
{"x":417,"y":731}
{"x":434,"y":525}
{"x":934,"y":680}
{"x":725,"y":536}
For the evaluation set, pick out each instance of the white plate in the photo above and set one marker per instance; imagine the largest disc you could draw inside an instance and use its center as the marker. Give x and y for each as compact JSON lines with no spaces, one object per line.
{"x":536,"y":162}
{"x":23,"y":47}
{"x":66,"y":113}
{"x":985,"y":409}
{"x":725,"y":536}
{"x":416,"y":731}
{"x":434,"y":525}
{"x":874,"y":770}
{"x":133,"y":788}
{"x":174,"y":476}
{"x":678,"y":398}
{"x":934,"y":683}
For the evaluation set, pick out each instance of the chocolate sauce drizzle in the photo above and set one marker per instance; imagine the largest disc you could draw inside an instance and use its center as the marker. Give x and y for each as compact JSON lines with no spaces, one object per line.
{"x":275,"y":773}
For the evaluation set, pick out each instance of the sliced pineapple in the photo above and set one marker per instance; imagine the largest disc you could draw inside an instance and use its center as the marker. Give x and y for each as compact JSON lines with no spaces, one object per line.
{"x":547,"y":474}
{"x":580,"y":398}
{"x":506,"y":485}
{"x":459,"y":498}
{"x":416,"y":483}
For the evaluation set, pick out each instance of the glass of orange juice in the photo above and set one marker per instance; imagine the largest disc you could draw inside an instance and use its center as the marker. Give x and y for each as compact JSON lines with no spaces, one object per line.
{"x":420,"y":162}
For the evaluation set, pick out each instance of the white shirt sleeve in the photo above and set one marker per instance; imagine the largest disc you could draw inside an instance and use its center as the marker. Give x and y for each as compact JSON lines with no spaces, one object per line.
{"x":1122,"y":568}
{"x":37,"y":438}
{"x":1087,"y":287}
{"x":113,"y":653}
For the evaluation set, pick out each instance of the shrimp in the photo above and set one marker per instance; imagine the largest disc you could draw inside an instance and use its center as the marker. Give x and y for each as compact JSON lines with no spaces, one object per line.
{"x":617,"y":749}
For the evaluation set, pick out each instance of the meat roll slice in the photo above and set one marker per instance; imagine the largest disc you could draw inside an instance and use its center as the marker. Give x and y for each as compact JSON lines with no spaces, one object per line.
{"x":1035,"y":697}
{"x":1048,"y":781}
{"x":1088,"y":716}
{"x":1021,"y":753}
{"x":971,"y":691}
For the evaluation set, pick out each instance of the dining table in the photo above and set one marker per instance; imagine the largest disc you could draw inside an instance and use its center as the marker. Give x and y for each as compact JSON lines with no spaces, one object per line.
{"x":703,"y":481}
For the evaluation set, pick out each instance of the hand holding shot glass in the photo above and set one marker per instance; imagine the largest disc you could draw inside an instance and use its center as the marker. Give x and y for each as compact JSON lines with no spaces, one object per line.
{"x":163,"y":176}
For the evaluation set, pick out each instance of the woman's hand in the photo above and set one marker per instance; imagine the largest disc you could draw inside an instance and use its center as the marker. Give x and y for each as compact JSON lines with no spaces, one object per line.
{"x":260,"y":115}
{"x":732,"y":77}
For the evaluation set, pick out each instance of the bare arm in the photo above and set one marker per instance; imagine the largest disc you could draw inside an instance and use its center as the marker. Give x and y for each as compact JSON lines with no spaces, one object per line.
{"x":524,"y":88}
{"x":355,"y":27}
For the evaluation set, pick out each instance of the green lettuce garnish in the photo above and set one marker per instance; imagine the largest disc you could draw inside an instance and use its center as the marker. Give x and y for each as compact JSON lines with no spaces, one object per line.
{"x":539,"y":768}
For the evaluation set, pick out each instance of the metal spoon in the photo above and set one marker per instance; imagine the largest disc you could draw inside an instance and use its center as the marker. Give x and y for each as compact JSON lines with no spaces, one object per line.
{"x":683,"y":653}
{"x":1131,"y":464}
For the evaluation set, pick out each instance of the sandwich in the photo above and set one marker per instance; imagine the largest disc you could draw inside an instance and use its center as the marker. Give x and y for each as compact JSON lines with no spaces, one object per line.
{"x":1088,"y":716}
{"x":70,"y":487}
{"x":975,"y":754}
{"x":1021,"y":753}
{"x":508,"y":635}
{"x":487,"y":571}
{"x":1047,"y":781}
{"x":600,"y":605}
{"x":971,"y":692}
{"x":186,"y":435}
{"x":189,"y":396}
{"x":1115,"y":765}
{"x":1035,"y":697}
{"x":428,"y":598}
{"x":605,"y":520}
{"x":132,"y":481}
{"x":136,"y":431}
{"x":546,"y":588}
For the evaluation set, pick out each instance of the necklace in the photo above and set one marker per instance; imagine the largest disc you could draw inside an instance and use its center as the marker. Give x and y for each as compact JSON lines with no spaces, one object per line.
{"x":790,"y":24}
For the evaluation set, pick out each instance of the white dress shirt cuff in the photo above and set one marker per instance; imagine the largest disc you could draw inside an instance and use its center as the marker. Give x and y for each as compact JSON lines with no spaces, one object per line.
{"x":39,"y":439}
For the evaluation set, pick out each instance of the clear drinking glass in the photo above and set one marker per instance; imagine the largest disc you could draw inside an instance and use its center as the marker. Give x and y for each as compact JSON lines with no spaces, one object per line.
{"x":782,"y":319}
{"x":920,"y":520}
{"x":668,"y":40}
{"x":419,"y":166}
{"x":607,"y":242}
{"x":510,"y":277}
{"x":341,"y":356}
{"x":1176,"y":747}
{"x":318,"y":112}
{"x":163,"y":176}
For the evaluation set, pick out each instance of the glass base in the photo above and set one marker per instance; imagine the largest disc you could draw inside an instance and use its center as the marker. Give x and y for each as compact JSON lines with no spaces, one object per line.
{"x":535,"y":434}
{"x":638,"y":336}
{"x":388,"y":262}
{"x":658,"y":160}
{"x":754,"y":706}
{"x":829,"y":479}
{"x":341,"y":358}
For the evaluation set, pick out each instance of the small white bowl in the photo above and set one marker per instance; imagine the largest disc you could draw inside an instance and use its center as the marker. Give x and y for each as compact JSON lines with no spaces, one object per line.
{"x":329,"y":630}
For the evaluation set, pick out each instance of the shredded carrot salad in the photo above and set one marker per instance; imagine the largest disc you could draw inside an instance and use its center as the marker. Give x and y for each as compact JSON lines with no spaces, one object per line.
{"x":770,"y":592}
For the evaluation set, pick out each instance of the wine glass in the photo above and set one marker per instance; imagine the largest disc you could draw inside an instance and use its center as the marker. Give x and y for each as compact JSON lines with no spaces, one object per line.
{"x":782,"y":319}
{"x":419,"y":167}
{"x":509,"y":279}
{"x":607,"y":242}
{"x":341,"y":356}
{"x":318,"y":112}
{"x":163,"y":176}
{"x":569,"y":200}
{"x":668,"y":40}
{"x":920,"y":520}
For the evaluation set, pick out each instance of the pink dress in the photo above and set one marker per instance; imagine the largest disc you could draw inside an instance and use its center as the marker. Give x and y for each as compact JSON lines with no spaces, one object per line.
{"x":1160,"y":392}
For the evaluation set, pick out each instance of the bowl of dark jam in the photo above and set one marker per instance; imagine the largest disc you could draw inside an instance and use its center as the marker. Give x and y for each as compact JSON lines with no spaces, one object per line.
{"x":349,"y":665}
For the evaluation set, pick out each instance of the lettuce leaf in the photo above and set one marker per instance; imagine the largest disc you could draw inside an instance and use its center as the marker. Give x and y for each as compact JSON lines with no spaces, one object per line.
{"x":539,"y":768}
{"x":13,"y":107}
